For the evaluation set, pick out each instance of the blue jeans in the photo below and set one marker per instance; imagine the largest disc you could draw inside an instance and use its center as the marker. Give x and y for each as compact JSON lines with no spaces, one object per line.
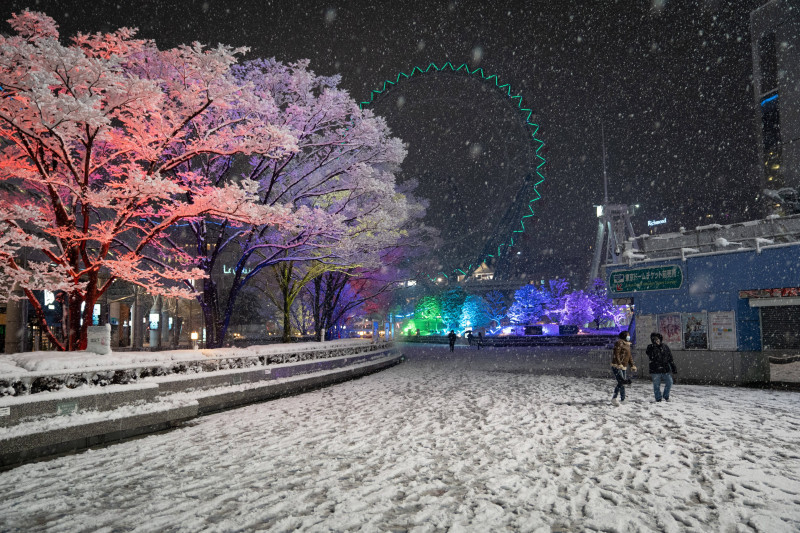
{"x":620,"y":376}
{"x":657,"y":379}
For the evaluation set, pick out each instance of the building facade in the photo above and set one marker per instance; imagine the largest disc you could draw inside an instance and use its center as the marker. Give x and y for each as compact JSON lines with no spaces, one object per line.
{"x":775,"y":36}
{"x":725,"y":288}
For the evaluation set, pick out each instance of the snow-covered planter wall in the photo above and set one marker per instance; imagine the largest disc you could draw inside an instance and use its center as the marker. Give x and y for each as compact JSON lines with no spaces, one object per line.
{"x":35,"y":372}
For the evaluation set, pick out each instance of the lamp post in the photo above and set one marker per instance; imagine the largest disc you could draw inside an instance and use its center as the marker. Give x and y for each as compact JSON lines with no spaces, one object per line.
{"x":194,"y":340}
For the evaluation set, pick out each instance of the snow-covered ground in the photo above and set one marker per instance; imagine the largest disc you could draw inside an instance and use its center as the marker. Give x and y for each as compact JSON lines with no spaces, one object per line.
{"x":461,"y":442}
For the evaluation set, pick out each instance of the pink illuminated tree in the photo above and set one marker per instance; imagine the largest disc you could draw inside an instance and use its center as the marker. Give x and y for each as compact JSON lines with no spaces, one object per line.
{"x":101,"y":142}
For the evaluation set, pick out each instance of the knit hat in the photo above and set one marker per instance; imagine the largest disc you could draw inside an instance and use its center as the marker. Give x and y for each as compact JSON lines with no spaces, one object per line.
{"x":623,"y":334}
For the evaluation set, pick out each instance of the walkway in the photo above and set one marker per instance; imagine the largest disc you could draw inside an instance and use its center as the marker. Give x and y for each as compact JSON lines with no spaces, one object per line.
{"x":473,"y":441}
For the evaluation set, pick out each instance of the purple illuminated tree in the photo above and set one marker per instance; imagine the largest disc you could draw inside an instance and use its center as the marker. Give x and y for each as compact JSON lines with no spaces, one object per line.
{"x":338,"y":184}
{"x":577,"y":308}
{"x":603,"y":308}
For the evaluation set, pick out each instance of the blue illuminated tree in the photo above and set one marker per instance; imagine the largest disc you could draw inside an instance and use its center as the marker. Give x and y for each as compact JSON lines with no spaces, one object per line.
{"x":496,"y":306}
{"x":530,"y":304}
{"x":557,"y":291}
{"x":475,"y":311}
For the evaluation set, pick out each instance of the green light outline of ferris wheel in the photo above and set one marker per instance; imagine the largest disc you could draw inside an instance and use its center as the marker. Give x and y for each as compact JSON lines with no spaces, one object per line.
{"x":525,"y":114}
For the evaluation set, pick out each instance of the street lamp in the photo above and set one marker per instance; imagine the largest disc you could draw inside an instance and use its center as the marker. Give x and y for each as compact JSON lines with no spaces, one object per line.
{"x":194,"y":340}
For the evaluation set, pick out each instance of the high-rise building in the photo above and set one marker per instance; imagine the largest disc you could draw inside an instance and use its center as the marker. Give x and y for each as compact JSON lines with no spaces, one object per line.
{"x":775,"y":36}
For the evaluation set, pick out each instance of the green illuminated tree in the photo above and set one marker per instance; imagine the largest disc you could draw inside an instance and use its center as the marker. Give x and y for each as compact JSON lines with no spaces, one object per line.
{"x":428,"y":308}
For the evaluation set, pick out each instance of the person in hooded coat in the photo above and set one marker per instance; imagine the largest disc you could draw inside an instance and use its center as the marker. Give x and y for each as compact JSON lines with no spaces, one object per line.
{"x":619,"y":364}
{"x":661,"y":364}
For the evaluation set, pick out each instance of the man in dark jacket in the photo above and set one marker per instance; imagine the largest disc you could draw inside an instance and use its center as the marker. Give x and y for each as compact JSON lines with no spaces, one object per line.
{"x":661,"y":364}
{"x":451,"y":338}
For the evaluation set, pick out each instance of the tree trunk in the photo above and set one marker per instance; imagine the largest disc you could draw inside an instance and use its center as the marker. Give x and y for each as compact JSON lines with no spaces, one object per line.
{"x":287,"y":322}
{"x":209,"y":303}
{"x":316,"y":309}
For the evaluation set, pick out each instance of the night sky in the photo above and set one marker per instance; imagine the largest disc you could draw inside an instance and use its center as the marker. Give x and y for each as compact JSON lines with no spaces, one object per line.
{"x":670,"y":81}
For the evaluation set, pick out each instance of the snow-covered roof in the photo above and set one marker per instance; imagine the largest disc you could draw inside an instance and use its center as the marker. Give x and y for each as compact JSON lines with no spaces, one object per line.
{"x":753,"y":235}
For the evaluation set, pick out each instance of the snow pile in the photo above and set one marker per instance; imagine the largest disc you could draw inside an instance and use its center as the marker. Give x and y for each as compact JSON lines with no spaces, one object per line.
{"x":709,"y":226}
{"x":58,"y":361}
{"x":723,"y":242}
{"x":630,"y":255}
{"x":473,"y":441}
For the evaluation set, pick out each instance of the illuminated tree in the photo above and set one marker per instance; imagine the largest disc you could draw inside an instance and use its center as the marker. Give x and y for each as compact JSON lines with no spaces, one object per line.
{"x":603,"y":308}
{"x":452,"y":301}
{"x":496,"y":306}
{"x":428,"y":308}
{"x":475,"y":311}
{"x":530,"y":304}
{"x":341,"y":176}
{"x":577,"y":308}
{"x":95,"y":140}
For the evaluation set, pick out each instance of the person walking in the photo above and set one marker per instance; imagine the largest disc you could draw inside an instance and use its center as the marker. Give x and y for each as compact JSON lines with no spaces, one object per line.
{"x":480,"y":339}
{"x":451,"y":337}
{"x":619,"y":365}
{"x":470,"y":338}
{"x":661,"y":364}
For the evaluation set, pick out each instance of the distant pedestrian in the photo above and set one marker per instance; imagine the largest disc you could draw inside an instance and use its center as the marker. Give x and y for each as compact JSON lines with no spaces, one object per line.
{"x":470,"y":338}
{"x":451,"y":337}
{"x":417,"y":332}
{"x":619,"y":365}
{"x":480,"y":339}
{"x":661,"y":364}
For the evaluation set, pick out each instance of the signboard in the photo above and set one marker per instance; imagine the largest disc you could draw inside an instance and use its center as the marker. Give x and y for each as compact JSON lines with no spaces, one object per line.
{"x":645,"y":325}
{"x":533,"y":330}
{"x":66,"y":408}
{"x":785,"y":292}
{"x":651,"y":223}
{"x":722,"y":327}
{"x":646,"y":279}
{"x":695,"y":331}
{"x":670,"y":328}
{"x":99,"y":339}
